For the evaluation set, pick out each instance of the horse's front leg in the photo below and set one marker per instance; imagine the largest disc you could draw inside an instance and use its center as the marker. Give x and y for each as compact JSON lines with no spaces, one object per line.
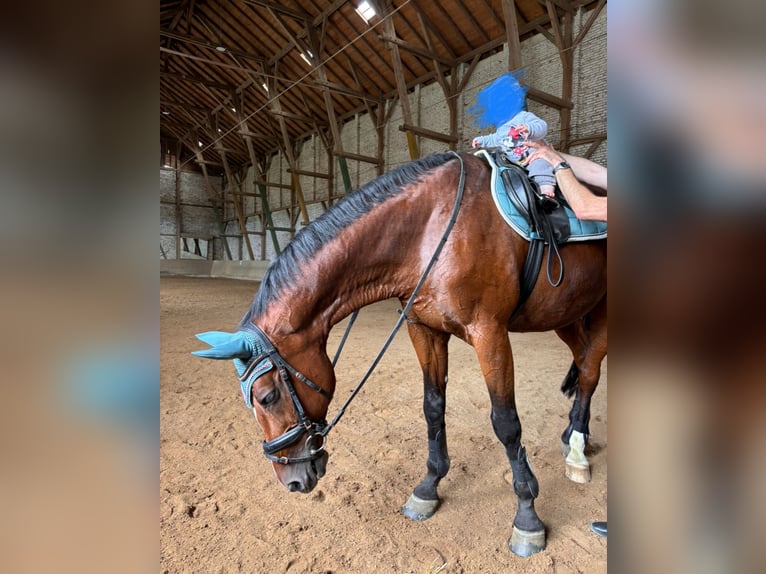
{"x":431,"y":349}
{"x":587,"y":338}
{"x":496,"y":359}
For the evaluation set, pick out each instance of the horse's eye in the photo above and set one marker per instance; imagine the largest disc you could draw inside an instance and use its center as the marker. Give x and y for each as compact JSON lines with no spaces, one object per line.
{"x":270,"y":398}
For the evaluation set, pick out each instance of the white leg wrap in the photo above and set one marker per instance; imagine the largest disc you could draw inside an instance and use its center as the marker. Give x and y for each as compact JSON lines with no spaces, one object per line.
{"x":578,"y":467}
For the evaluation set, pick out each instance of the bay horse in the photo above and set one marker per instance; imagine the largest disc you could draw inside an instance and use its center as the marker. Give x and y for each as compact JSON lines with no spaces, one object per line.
{"x":375,"y":244}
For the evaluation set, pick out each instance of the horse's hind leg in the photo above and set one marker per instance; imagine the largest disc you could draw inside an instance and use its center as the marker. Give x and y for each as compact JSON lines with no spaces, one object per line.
{"x":587,"y":338}
{"x":431,"y":349}
{"x":494,"y":352}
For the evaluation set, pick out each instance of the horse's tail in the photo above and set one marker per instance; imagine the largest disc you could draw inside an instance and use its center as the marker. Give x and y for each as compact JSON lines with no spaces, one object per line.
{"x":569,"y":386}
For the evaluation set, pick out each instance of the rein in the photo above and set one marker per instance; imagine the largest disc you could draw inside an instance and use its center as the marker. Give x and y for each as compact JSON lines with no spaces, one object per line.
{"x":411,"y":300}
{"x":318,"y":431}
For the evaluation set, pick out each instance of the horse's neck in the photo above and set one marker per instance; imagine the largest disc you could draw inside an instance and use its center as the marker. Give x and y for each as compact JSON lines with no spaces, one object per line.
{"x":365,"y":263}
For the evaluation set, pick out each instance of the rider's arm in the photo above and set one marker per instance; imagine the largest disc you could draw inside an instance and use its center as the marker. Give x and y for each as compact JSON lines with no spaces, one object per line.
{"x":583,"y":202}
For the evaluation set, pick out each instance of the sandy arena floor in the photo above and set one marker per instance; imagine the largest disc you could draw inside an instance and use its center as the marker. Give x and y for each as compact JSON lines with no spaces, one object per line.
{"x":222,"y":510}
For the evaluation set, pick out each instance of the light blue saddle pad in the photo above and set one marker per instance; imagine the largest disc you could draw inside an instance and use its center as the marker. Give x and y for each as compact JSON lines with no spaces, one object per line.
{"x":581,"y":230}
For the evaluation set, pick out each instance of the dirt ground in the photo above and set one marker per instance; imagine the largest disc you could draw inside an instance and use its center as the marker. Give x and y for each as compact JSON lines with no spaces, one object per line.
{"x":222,"y":510}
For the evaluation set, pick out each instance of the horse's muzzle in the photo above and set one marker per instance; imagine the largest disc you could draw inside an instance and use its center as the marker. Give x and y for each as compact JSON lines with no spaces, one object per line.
{"x":303,"y":477}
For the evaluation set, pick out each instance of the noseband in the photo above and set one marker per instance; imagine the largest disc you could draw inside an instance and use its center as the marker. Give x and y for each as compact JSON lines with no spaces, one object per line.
{"x":259,"y":365}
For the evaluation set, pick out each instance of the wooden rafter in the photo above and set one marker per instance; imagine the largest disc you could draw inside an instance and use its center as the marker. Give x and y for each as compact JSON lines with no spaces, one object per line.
{"x":438,"y":35}
{"x":357,"y":58}
{"x":187,"y":39}
{"x":512,"y":35}
{"x":417,"y":50}
{"x":447,"y":91}
{"x":589,"y":23}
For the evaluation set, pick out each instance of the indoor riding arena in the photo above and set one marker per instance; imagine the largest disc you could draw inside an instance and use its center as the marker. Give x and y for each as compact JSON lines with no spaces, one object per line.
{"x":271,"y":114}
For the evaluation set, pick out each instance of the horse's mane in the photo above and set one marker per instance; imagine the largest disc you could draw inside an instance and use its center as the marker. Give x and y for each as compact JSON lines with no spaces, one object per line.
{"x":309,"y":239}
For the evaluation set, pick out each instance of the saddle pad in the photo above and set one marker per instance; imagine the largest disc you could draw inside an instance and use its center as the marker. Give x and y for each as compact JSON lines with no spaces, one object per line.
{"x":581,"y":230}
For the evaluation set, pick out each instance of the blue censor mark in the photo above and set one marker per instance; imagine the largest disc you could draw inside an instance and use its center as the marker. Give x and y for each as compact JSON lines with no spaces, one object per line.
{"x":499,"y":101}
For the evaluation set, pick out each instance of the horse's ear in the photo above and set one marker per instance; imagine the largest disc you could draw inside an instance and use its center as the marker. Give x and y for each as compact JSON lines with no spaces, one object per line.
{"x":224,"y":346}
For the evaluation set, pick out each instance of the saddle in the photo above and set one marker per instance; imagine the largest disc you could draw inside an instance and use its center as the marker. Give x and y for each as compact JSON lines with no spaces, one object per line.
{"x":537,"y":218}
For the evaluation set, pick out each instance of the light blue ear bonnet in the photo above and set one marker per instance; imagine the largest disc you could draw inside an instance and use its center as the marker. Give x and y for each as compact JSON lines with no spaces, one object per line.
{"x":245,"y":348}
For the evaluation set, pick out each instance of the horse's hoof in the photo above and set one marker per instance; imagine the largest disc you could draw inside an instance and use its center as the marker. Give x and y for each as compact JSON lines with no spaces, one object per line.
{"x":526,"y":542}
{"x":579,"y":473}
{"x":578,"y":467}
{"x":418,"y":509}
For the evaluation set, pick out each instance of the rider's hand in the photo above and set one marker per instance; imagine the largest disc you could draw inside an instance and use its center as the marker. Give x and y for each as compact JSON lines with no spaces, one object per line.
{"x":542,"y":150}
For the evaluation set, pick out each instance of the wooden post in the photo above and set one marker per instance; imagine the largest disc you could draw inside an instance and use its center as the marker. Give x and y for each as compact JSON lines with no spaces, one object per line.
{"x":276,"y":109}
{"x":562,"y":32}
{"x":259,"y":182}
{"x":567,"y":68}
{"x":337,"y":143}
{"x":512,"y":35}
{"x":448,"y":90}
{"x":216,"y":209}
{"x":241,"y":219}
{"x":344,"y":174}
{"x":179,"y":219}
{"x":401,"y":86}
{"x":214,"y":201}
{"x":376,"y":117}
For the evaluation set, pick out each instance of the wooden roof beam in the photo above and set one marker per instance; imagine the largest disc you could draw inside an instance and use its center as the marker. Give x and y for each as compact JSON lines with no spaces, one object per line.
{"x":308,"y":173}
{"x":297,"y":14}
{"x":566,"y":6}
{"x":179,"y":13}
{"x":489,"y":46}
{"x":317,"y":21}
{"x":296,"y":117}
{"x":417,"y":50}
{"x":589,"y":23}
{"x":356,"y":156}
{"x":468,"y":16}
{"x":430,"y":134}
{"x":512,"y":35}
{"x":401,"y":85}
{"x":375,"y":52}
{"x":205,"y":60}
{"x":294,"y":38}
{"x":436,"y":34}
{"x":205,"y":44}
{"x":455,"y":28}
{"x":548,"y":99}
{"x":437,"y":69}
{"x":197,"y":80}
{"x":184,"y":105}
{"x":497,"y":20}
{"x":555,"y":24}
{"x":345,"y":91}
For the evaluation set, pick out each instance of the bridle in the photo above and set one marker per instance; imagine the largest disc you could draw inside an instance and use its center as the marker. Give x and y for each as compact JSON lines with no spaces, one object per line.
{"x":267,"y":357}
{"x":261,"y":364}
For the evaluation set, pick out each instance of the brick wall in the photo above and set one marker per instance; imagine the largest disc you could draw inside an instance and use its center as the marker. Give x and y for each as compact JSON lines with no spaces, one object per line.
{"x":197,"y":217}
{"x":589,"y":115}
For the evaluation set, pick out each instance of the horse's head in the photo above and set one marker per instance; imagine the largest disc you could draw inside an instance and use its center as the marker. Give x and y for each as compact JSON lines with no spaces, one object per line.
{"x":288,"y":404}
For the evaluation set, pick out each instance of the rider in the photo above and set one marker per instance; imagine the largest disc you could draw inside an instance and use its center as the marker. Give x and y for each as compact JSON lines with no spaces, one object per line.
{"x":514,"y":136}
{"x":569,"y":172}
